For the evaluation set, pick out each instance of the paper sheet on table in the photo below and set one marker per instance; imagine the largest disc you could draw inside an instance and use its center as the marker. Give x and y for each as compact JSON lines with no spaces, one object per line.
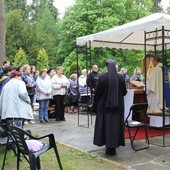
{"x":135,"y":123}
{"x":138,"y":83}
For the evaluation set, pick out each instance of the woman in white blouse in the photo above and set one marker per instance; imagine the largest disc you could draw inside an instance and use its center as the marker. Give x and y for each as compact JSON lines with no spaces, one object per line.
{"x":43,"y":96}
{"x":59,"y":85}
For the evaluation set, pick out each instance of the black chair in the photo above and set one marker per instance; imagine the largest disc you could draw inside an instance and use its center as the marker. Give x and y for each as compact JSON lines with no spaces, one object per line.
{"x":20,"y":136}
{"x":137,"y":125}
{"x":87,"y":102}
{"x":6,"y":140}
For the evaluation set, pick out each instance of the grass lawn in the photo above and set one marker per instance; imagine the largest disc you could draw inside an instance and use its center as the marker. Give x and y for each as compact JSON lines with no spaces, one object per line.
{"x":71,"y":159}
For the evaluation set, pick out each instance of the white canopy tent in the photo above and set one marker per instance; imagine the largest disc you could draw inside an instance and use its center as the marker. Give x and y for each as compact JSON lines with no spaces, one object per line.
{"x":148,"y":33}
{"x":130,"y":35}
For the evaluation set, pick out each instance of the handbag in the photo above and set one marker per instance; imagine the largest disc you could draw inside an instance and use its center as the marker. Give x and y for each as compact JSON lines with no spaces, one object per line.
{"x":67,"y":100}
{"x":74,"y":99}
{"x":70,"y":100}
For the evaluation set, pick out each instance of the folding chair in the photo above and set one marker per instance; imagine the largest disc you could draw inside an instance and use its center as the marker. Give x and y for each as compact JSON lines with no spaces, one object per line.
{"x":22,"y":137}
{"x":87,"y":112}
{"x":137,"y":125}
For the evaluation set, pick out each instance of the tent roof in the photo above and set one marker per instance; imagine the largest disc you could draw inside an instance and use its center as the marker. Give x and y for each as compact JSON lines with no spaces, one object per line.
{"x":131,"y":35}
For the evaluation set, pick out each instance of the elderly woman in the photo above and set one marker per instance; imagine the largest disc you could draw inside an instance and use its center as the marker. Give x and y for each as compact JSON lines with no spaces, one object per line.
{"x":123,"y":71}
{"x":85,"y":92}
{"x":73,"y":91}
{"x":30,"y":83}
{"x":15,"y":102}
{"x":43,"y":96}
{"x":29,"y":80}
{"x":137,"y":76}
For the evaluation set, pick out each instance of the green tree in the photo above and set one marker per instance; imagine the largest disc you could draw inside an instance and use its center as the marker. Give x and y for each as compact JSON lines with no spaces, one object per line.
{"x":168,"y":10}
{"x":18,"y":5}
{"x":137,"y":9}
{"x":72,"y":63}
{"x":31,"y":35}
{"x":37,"y":26}
{"x":2,"y":32}
{"x":17,"y":33}
{"x":38,"y":6}
{"x":156,"y":6}
{"x":87,"y":17}
{"x":20,"y":58}
{"x":91,"y":16}
{"x":46,"y":37}
{"x":42,"y":59}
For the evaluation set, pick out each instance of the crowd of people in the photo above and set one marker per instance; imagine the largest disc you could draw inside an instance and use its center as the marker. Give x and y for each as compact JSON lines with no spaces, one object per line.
{"x":43,"y":87}
{"x":21,"y":87}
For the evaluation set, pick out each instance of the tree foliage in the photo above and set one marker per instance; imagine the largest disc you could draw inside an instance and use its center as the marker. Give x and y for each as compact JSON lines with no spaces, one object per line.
{"x":2,"y":32}
{"x":20,"y":58}
{"x":16,"y":33}
{"x":37,"y":26}
{"x":42,"y":59}
{"x":168,"y":10}
{"x":35,"y":32}
{"x":18,"y":5}
{"x":91,"y":16}
{"x":156,"y":6}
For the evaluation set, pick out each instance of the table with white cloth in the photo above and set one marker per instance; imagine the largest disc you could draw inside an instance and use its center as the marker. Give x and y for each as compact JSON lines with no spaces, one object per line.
{"x":128,"y":100}
{"x":134,"y":96}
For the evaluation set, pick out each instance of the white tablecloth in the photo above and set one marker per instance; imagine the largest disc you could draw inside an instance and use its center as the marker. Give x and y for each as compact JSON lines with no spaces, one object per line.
{"x":128,"y":100}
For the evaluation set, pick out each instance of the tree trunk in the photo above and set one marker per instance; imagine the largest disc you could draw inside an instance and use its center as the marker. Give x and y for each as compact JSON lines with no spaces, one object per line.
{"x":2,"y":32}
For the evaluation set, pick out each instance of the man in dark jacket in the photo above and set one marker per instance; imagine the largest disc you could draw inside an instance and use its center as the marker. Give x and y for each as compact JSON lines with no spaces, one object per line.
{"x":92,"y":78}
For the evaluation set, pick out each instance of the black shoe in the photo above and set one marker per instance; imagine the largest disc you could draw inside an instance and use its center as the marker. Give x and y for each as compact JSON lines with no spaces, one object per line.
{"x":47,"y":121}
{"x":58,"y":119}
{"x":63,"y":119}
{"x":92,"y":113}
{"x":110,"y":151}
{"x":41,"y":121}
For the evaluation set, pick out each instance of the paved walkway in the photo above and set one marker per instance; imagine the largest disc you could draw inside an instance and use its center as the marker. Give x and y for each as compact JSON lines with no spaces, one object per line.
{"x":69,"y":133}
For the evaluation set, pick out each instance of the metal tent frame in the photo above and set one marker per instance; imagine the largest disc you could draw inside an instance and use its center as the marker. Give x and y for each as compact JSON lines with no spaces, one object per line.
{"x":148,"y":33}
{"x":153,"y":39}
{"x":159,"y":38}
{"x":87,"y":51}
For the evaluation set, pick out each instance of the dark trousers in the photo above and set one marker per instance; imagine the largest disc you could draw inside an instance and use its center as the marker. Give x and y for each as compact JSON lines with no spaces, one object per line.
{"x":32,"y":99}
{"x":18,"y":122}
{"x":59,"y":107}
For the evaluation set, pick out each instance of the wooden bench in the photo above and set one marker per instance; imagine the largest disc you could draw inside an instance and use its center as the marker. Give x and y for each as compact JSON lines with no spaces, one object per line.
{"x":51,"y":108}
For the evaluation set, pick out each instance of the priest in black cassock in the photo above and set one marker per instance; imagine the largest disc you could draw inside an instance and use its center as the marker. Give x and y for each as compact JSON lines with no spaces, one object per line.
{"x":109,"y":108}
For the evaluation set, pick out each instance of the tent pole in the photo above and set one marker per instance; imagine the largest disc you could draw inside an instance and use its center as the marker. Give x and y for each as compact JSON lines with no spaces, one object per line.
{"x":145,"y":63}
{"x":90,"y":56}
{"x":77,"y":82}
{"x":87,"y":89}
{"x":163,"y":62}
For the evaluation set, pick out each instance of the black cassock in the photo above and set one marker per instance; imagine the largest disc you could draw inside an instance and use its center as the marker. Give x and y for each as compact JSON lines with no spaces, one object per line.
{"x":109,"y":125}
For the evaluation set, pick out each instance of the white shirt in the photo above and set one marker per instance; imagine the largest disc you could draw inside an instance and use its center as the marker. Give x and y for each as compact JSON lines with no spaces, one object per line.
{"x":56,"y":84}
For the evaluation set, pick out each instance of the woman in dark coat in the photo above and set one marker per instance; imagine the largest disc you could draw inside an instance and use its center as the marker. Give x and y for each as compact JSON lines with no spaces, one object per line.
{"x":109,"y":106}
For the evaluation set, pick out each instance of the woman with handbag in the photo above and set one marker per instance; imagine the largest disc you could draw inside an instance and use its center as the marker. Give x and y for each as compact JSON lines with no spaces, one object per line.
{"x":73,"y":93}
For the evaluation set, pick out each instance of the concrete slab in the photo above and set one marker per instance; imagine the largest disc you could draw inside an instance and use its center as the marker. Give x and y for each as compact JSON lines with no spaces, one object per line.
{"x":69,"y":133}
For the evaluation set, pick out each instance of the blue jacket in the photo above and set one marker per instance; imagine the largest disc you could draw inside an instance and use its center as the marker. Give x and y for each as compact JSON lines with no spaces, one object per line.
{"x":29,"y":79}
{"x":3,"y":81}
